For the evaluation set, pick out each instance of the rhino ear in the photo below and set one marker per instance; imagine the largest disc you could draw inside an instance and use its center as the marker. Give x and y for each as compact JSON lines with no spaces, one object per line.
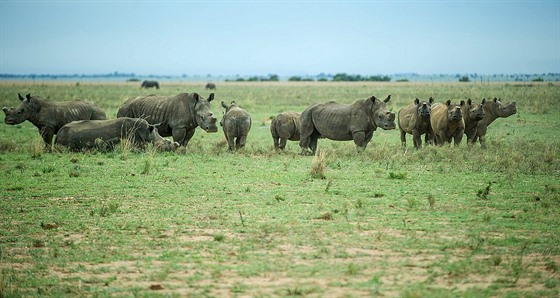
{"x":431,"y":100}
{"x":417,"y":101}
{"x":448,"y":102}
{"x":210,"y":97}
{"x":495,"y":99}
{"x":151,"y":128}
{"x":462,"y":103}
{"x":483,"y":100}
{"x":387,"y":99}
{"x":28,"y":96}
{"x":469,"y":101}
{"x":224,"y":105}
{"x":196,"y":96}
{"x":20,"y":97}
{"x":5,"y":109}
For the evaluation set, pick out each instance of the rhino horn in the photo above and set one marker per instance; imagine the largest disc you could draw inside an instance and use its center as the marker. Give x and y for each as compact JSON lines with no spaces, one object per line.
{"x":20,"y":97}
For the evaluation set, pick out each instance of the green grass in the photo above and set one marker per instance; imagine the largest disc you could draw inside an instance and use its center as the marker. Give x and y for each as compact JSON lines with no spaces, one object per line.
{"x":435,"y":222}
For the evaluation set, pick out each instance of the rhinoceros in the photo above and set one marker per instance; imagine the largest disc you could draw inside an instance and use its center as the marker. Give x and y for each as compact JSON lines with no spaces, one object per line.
{"x":236,"y":124}
{"x":150,"y":84}
{"x":105,"y":134}
{"x":210,"y":86}
{"x":493,"y":109}
{"x":344,"y":122}
{"x":415,"y":120}
{"x":285,"y":127}
{"x":49,"y":116}
{"x":447,"y":122}
{"x":177,"y":115}
{"x":472,"y":114}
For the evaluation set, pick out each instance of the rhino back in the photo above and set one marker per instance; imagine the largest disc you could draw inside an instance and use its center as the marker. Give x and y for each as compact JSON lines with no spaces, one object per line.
{"x":408,"y":119}
{"x":57,"y":114}
{"x":438,"y":117}
{"x":332,"y":120}
{"x":237,"y":122}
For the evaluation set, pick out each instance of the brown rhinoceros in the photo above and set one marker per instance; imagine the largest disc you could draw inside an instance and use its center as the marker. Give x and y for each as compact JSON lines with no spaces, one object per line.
{"x":415,"y":120}
{"x":447,"y":122}
{"x":344,"y":122}
{"x":105,"y":134}
{"x":177,"y":115}
{"x":493,"y":109}
{"x":285,"y":127}
{"x":49,"y":116}
{"x":472,"y":114}
{"x":236,"y":124}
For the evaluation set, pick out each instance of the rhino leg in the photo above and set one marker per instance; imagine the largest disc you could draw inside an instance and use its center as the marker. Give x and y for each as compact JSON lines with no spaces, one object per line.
{"x":282,"y":144}
{"x":458,"y":137}
{"x":361,"y":139}
{"x":276,"y":143}
{"x":47,"y":134}
{"x":240,"y":141}
{"x":182,"y":135}
{"x":231,"y":143}
{"x":403,"y":138}
{"x":417,"y":139}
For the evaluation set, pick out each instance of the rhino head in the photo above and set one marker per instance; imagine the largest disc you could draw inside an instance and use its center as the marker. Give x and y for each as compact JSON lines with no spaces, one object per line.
{"x":504,"y":110}
{"x":204,"y":116}
{"x":380,"y":116}
{"x":159,"y":142}
{"x":28,"y":107}
{"x":423,"y":109}
{"x":454,"y":112}
{"x":476,"y":111}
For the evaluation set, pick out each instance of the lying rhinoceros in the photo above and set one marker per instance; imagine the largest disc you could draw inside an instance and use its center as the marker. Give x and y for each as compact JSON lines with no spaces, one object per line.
{"x":493,"y":109}
{"x":105,"y":134}
{"x":177,"y":115}
{"x":447,"y":122}
{"x":415,"y":120}
{"x":49,"y":116}
{"x":285,"y":127}
{"x":345,"y":122}
{"x":236,"y":124}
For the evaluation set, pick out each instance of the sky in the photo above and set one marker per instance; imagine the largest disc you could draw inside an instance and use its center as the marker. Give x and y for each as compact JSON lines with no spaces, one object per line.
{"x":279,"y":37}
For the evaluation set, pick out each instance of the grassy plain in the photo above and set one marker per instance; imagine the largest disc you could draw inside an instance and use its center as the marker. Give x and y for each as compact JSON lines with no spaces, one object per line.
{"x":202,"y":222}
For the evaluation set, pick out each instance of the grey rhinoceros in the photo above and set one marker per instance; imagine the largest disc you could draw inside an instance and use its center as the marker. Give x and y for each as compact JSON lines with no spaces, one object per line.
{"x":472,"y":114}
{"x":344,"y":122}
{"x":210,"y":86}
{"x":106,"y":134}
{"x":177,"y":115}
{"x":284,"y":127}
{"x":150,"y":84}
{"x":236,"y":124}
{"x":415,"y":120}
{"x":493,"y":109}
{"x":49,"y":116}
{"x":447,"y":122}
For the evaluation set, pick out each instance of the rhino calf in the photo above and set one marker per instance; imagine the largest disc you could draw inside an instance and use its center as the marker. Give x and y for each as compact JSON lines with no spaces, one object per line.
{"x":472,"y":114}
{"x":50,"y":116}
{"x":106,"y":134}
{"x":285,"y":127}
{"x":447,"y":122}
{"x":415,"y":120}
{"x":150,"y":84}
{"x":236,"y":124}
{"x":344,"y":122}
{"x":493,"y":109}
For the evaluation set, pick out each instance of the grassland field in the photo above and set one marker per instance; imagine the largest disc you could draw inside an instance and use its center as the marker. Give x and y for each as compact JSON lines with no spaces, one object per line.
{"x":203,"y":222}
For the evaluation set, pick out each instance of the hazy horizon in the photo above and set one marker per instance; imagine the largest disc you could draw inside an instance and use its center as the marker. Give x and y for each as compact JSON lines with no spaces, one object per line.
{"x":228,"y":38}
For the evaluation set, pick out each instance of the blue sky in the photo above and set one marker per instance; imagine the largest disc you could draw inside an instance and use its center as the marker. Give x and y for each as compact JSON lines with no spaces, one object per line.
{"x":279,"y":37}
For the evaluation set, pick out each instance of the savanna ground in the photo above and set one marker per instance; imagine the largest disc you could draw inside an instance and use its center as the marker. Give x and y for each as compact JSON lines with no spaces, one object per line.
{"x":435,"y":222}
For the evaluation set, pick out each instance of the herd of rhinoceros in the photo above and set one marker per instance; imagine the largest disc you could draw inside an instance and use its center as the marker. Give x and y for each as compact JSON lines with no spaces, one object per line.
{"x":80,"y":125}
